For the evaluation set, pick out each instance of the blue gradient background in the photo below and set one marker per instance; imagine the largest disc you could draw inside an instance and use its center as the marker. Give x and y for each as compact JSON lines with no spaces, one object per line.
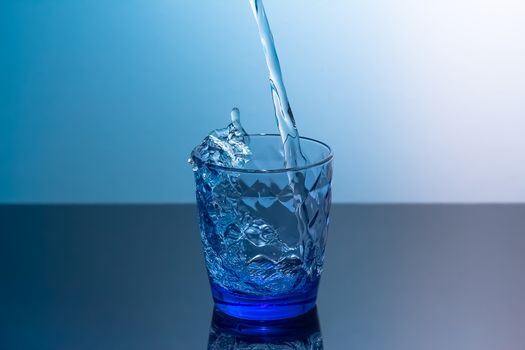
{"x":422,"y":101}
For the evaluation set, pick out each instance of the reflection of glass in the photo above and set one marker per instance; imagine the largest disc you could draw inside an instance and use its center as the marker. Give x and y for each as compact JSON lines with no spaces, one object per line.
{"x":300,"y":333}
{"x":264,"y":229}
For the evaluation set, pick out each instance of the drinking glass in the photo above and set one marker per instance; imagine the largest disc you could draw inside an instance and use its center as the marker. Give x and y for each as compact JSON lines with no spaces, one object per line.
{"x":264,"y":229}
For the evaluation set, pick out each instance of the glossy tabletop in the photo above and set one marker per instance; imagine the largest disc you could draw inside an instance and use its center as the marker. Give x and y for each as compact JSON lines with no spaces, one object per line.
{"x":133,"y":277}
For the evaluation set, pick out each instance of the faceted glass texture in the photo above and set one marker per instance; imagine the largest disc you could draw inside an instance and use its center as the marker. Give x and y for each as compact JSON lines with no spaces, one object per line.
{"x":264,"y":232}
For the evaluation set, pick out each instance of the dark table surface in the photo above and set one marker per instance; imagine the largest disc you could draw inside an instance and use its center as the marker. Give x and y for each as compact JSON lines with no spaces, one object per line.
{"x":133,"y":277}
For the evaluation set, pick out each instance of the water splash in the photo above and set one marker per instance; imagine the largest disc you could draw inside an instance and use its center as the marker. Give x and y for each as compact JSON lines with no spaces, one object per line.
{"x":228,"y":147}
{"x":283,"y":112}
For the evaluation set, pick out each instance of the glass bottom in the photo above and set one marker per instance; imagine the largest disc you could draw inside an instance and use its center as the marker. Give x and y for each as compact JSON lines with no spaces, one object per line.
{"x":256,"y":331}
{"x":263,"y":309}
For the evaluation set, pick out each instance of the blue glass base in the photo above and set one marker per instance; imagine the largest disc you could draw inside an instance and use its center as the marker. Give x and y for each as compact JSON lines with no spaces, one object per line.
{"x":274,"y":331}
{"x":251,"y":308}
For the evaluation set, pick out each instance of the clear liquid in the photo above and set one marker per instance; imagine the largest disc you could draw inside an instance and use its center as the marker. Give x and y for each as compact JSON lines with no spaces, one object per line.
{"x":293,"y":155}
{"x":263,"y":233}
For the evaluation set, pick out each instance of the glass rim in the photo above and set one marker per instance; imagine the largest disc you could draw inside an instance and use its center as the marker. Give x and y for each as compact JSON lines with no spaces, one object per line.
{"x":323,"y":161}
